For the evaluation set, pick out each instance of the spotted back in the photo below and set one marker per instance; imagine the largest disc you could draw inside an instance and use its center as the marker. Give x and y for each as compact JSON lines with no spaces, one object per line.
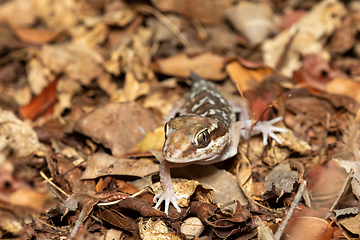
{"x":206,"y":101}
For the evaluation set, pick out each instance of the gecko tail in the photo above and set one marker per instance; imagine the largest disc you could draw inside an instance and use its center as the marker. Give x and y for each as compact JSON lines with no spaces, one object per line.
{"x":194,"y":76}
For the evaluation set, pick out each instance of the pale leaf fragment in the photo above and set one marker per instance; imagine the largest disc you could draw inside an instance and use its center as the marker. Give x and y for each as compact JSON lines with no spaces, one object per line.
{"x":101,"y":164}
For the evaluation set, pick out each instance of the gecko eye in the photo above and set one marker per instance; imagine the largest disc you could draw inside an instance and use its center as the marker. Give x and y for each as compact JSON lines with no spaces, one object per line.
{"x":202,"y":138}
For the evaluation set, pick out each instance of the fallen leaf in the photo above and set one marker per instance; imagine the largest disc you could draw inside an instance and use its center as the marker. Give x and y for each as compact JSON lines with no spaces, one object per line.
{"x":37,"y":36}
{"x":304,"y":228}
{"x":11,"y":10}
{"x":41,"y":105}
{"x":152,"y":141}
{"x":255,"y":20}
{"x":280,"y":180}
{"x":344,"y":86}
{"x":16,"y":136}
{"x":206,"y":65}
{"x":101,"y":164}
{"x":33,"y":199}
{"x":315,"y":73}
{"x":118,"y":126}
{"x":205,"y":11}
{"x":285,"y":51}
{"x":244,"y":76}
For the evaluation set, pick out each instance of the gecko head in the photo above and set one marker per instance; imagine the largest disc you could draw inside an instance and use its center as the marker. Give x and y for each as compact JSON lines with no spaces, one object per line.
{"x":194,"y":139}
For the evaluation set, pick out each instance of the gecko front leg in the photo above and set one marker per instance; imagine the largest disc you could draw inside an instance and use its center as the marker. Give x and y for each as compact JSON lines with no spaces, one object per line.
{"x":168,"y":194}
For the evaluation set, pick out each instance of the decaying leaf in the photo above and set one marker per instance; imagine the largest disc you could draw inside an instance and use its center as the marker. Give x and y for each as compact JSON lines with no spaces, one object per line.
{"x":279,"y":181}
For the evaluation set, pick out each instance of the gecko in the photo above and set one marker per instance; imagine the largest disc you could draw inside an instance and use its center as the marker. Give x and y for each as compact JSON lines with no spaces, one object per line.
{"x":205,"y":132}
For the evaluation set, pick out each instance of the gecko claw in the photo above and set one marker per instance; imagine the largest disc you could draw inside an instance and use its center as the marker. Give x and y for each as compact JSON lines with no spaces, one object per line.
{"x":168,"y":197}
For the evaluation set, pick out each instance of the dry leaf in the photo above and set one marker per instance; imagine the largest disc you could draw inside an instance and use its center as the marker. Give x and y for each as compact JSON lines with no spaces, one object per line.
{"x":304,"y":37}
{"x":153,"y":230}
{"x":101,"y":164}
{"x":37,"y":36}
{"x":118,"y":126}
{"x":206,"y":65}
{"x":255,"y":20}
{"x":344,"y":86}
{"x":206,"y":11}
{"x":304,"y":228}
{"x":17,"y":13}
{"x":33,"y":199}
{"x":244,"y":76}
{"x":16,"y":136}
{"x":152,"y":141}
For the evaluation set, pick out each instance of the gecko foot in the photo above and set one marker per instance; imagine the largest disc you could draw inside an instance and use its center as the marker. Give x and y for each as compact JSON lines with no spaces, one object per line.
{"x":267,"y":129}
{"x":168,"y":197}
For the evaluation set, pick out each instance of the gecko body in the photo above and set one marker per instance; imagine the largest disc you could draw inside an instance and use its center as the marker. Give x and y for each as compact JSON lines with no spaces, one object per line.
{"x":205,"y":132}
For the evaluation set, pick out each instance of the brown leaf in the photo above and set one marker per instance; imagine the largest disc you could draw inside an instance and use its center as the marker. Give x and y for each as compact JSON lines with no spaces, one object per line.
{"x":206,"y":65}
{"x":302,"y":228}
{"x":117,"y":220}
{"x":117,"y":125}
{"x":315,"y":73}
{"x":206,"y":11}
{"x":41,"y":105}
{"x":101,"y":164}
{"x":141,"y":206}
{"x":34,"y":35}
{"x":245,"y":74}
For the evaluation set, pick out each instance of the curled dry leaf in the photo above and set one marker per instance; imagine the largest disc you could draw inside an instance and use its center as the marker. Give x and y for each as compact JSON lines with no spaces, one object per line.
{"x":351,"y":224}
{"x":206,"y":65}
{"x":101,"y":164}
{"x":280,"y":180}
{"x":16,"y":136}
{"x":118,"y":126}
{"x":141,"y":206}
{"x":153,"y":230}
{"x":305,"y":36}
{"x":254,"y":20}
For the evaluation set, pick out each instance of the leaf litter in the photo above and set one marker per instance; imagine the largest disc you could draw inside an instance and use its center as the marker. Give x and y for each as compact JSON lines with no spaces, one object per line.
{"x":87,"y":85}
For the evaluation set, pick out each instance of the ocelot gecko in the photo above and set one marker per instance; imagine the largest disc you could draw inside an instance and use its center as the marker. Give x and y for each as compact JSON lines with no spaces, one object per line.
{"x":205,"y":132}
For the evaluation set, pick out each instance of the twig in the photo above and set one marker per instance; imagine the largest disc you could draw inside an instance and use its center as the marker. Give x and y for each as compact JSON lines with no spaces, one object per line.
{"x":77,"y":224}
{"x":351,"y":174}
{"x":292,"y":208}
{"x":172,"y":27}
{"x":53,"y":184}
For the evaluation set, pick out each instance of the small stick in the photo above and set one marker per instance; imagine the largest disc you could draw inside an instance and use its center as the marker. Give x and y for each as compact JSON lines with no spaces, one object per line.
{"x":291,"y":211}
{"x":172,"y":27}
{"x":53,"y":184}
